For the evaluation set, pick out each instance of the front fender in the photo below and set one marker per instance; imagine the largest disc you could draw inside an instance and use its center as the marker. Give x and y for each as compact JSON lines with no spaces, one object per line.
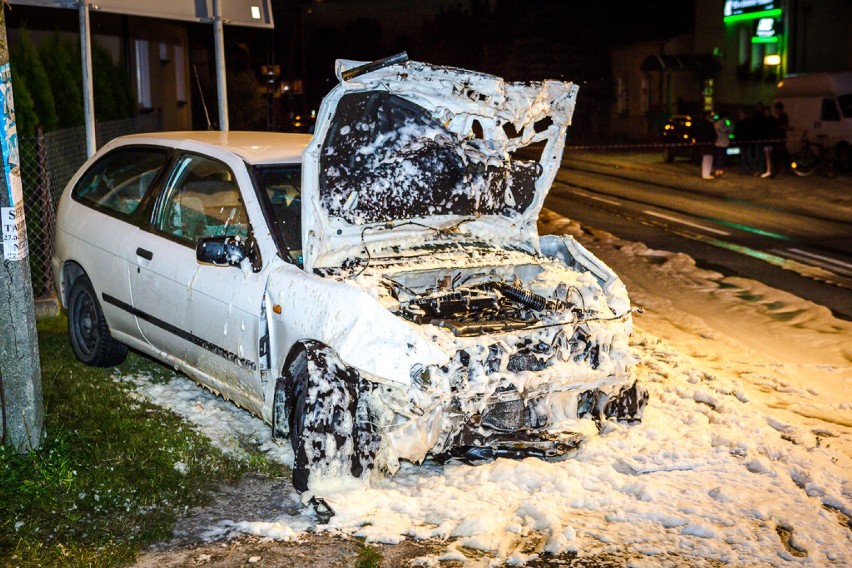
{"x":364,"y":334}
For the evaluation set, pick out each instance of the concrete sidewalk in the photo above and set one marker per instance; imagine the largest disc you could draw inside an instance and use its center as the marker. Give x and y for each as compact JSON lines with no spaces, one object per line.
{"x":829,"y":198}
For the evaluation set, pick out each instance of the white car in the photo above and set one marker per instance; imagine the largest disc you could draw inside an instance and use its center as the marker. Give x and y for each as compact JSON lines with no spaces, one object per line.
{"x":378,"y":292}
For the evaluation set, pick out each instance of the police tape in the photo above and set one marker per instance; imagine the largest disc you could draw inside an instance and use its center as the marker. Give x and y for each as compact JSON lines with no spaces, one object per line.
{"x":766,"y":142}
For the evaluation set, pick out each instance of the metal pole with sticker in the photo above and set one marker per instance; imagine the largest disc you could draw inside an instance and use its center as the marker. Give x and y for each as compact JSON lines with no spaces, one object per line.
{"x":21,"y":403}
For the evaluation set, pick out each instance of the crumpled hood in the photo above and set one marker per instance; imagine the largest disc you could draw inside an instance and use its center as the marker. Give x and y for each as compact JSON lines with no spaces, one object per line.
{"x":412,"y":152}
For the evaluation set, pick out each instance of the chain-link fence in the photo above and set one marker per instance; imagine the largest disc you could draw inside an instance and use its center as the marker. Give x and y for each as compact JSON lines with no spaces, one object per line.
{"x":48,"y":162}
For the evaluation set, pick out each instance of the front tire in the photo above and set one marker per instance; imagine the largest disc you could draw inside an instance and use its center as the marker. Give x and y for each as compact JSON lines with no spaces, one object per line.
{"x":804,"y":163}
{"x":88,"y":331}
{"x":331,"y":436}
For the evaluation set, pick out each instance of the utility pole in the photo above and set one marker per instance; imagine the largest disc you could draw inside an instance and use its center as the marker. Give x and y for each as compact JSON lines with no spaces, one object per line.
{"x":22,"y":414}
{"x":88,"y":86}
{"x":221,"y":76}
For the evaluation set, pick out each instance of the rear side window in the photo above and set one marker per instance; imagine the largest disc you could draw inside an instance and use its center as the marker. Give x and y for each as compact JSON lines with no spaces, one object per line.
{"x":120,"y":179}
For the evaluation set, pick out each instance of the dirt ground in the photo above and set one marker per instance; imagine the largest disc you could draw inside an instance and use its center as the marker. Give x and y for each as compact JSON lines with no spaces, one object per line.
{"x":312,"y":551}
{"x":257,"y":498}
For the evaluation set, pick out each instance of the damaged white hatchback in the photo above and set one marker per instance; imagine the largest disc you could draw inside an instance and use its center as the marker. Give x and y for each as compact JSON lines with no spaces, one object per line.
{"x":378,"y":292}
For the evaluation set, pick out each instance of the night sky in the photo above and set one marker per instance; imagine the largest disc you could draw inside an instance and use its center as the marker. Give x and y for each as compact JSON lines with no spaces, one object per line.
{"x":515,"y":39}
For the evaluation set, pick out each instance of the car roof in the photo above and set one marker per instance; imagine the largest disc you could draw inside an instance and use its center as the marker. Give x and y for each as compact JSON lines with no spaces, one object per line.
{"x":253,"y":147}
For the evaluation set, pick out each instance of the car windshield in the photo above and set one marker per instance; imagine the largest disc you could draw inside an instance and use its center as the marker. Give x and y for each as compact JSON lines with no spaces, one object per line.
{"x":281,"y":191}
{"x":386,"y":159}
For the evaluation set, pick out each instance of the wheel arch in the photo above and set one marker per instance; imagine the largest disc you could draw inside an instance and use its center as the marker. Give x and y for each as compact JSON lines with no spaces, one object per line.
{"x":282,"y":400}
{"x":71,"y":270}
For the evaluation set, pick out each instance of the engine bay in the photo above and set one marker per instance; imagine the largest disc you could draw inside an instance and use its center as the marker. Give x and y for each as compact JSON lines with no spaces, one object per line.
{"x":478,"y":302}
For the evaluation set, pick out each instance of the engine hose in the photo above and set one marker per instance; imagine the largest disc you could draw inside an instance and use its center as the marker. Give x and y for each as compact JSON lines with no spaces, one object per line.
{"x":526,"y":297}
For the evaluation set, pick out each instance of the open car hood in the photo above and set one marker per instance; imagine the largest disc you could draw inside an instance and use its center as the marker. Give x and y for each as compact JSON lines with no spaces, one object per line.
{"x":408,"y":154}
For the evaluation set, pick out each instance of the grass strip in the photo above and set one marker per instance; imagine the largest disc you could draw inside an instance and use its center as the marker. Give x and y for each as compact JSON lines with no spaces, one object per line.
{"x":113,"y":473}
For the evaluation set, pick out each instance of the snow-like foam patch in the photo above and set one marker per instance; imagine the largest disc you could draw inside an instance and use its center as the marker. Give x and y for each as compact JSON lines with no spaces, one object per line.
{"x":739,"y":445}
{"x":704,"y":482}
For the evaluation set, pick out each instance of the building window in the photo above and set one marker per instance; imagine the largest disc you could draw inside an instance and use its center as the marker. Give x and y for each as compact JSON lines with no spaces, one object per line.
{"x":645,"y":87}
{"x":143,"y":73}
{"x":164,"y":52}
{"x":180,"y":74}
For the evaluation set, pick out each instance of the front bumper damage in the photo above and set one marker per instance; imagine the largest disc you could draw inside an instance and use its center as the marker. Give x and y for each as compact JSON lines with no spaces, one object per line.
{"x":509,"y":426}
{"x":518,"y":445}
{"x":517,"y":429}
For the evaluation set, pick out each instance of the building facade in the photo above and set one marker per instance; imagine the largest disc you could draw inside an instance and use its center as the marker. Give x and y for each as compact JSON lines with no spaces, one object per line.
{"x":737,"y":54}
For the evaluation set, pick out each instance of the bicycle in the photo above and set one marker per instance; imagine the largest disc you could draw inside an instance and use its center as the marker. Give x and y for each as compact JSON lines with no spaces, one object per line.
{"x":812,"y":156}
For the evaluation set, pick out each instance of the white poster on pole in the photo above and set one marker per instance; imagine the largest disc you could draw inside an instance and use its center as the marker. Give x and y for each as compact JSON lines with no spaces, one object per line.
{"x":14,"y":232}
{"x":14,"y":228}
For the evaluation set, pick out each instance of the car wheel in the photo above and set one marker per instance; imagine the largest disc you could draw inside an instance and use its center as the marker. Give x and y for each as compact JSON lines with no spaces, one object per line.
{"x":88,"y":331}
{"x":804,"y":163}
{"x":694,"y":155}
{"x":668,"y":155}
{"x":330,"y":434}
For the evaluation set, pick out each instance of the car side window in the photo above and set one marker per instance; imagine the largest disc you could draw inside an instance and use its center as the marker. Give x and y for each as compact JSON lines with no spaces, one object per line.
{"x":829,"y":110}
{"x":201,"y":199}
{"x":120,"y":179}
{"x":282,"y":185}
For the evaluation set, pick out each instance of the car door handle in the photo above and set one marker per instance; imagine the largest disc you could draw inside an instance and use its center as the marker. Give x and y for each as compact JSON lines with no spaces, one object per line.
{"x":146,"y":254}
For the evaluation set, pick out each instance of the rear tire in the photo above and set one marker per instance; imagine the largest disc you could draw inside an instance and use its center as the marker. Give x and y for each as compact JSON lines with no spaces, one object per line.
{"x":88,"y":331}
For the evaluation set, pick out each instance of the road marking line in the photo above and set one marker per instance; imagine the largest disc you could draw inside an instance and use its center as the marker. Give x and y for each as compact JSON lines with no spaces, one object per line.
{"x":827,"y":262}
{"x":684,"y":222}
{"x":595,"y":197}
{"x":825,"y":258}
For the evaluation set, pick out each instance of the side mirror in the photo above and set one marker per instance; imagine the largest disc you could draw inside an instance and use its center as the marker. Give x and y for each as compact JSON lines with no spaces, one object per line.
{"x":227,"y":251}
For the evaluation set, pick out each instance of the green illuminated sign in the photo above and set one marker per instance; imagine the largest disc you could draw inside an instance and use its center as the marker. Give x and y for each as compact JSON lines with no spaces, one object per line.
{"x":773,"y":39}
{"x":753,"y":15}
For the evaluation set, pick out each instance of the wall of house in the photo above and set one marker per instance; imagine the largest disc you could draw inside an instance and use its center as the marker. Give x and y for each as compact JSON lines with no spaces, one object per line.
{"x":124,"y":37}
{"x":823,"y":40}
{"x":159,"y":64}
{"x":645,"y":99}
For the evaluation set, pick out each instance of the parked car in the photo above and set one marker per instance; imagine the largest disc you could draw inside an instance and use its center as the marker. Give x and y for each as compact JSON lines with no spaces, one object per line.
{"x":378,"y":292}
{"x":681,"y":140}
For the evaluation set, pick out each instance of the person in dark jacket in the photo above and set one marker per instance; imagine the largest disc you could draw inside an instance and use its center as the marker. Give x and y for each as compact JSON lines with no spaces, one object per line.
{"x":782,"y":126}
{"x":764,"y":134}
{"x":705,"y":137}
{"x":744,"y":138}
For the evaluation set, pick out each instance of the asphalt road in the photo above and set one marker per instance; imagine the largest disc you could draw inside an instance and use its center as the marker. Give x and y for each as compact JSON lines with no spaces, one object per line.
{"x":796,"y":249}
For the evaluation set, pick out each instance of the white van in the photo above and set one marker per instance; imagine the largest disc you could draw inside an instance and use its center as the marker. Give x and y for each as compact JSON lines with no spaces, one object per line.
{"x":819,"y":104}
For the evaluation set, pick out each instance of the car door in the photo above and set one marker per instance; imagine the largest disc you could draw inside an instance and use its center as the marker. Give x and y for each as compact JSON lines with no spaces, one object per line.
{"x":206,"y":316}
{"x":112,"y":190}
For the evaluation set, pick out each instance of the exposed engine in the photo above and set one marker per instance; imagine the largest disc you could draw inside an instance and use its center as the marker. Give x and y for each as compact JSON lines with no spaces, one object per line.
{"x":482,"y":308}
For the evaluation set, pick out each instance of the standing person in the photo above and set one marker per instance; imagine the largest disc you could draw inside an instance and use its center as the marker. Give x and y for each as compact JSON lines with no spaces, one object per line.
{"x":764,"y":132}
{"x":723,"y":129}
{"x":782,"y":126}
{"x":705,"y":136}
{"x":743,"y":137}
